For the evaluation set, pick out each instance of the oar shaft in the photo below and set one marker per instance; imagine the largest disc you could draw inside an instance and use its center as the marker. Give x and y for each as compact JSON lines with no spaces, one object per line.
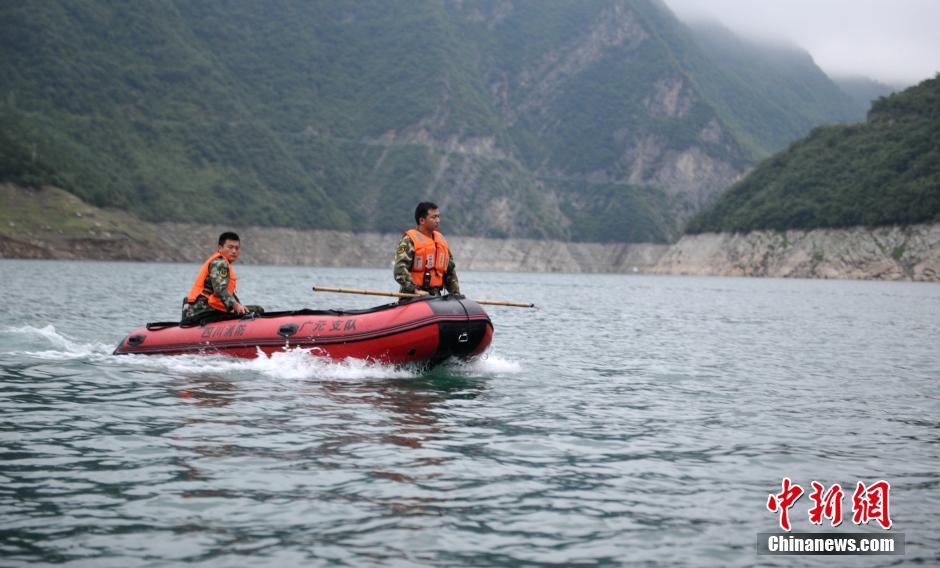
{"x":403,"y":295}
{"x":363,"y":292}
{"x":504,"y":303}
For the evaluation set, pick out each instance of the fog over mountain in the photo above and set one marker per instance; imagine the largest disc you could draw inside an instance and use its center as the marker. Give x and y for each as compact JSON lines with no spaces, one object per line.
{"x":894,"y":42}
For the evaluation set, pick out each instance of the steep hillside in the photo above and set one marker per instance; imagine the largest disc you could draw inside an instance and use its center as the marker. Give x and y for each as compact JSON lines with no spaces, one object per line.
{"x":592,"y":121}
{"x":883,"y":172}
{"x":775,"y":108}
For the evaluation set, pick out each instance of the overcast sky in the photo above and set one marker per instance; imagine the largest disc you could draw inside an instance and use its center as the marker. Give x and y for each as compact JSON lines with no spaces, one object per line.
{"x":893,"y":41}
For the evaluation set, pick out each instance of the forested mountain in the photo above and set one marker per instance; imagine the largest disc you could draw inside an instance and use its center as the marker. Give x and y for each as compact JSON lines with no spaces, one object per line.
{"x":864,"y":90}
{"x":885,"y":171}
{"x":599,"y":120}
{"x":778,"y":107}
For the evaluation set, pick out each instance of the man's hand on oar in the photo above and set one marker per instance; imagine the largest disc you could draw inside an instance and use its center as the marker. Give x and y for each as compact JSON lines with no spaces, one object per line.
{"x":403,"y":295}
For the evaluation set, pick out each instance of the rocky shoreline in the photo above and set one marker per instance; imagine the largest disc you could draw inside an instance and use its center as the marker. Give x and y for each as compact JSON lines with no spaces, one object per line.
{"x":263,"y":245}
{"x":52,"y":224}
{"x":885,"y":253}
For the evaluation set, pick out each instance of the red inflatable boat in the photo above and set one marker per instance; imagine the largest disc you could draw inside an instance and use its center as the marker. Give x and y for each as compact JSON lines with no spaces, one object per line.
{"x":420,"y":330}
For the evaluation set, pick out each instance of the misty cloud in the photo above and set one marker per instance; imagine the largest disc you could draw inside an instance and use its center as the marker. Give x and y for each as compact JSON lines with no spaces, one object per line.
{"x":895,"y":41}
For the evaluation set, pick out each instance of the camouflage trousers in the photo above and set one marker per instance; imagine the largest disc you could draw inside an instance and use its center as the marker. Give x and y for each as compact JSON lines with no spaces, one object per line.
{"x":200,"y":312}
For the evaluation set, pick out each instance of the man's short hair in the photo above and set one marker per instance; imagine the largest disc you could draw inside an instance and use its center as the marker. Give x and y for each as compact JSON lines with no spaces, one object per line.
{"x":228,"y":236}
{"x":421,"y":211}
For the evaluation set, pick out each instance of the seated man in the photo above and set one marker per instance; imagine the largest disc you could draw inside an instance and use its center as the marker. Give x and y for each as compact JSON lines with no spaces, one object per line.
{"x":213,"y":292}
{"x":423,"y":262}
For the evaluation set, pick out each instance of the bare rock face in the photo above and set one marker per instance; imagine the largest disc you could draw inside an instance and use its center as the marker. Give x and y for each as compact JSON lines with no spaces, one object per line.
{"x":669,"y":99}
{"x":884,"y":253}
{"x":617,"y":26}
{"x":694,"y":173}
{"x":691,"y":176}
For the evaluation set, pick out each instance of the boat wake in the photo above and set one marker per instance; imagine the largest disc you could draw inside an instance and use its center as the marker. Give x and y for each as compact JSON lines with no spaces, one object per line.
{"x":59,"y":347}
{"x":292,"y":363}
{"x":47,"y":344}
{"x":488,"y":364}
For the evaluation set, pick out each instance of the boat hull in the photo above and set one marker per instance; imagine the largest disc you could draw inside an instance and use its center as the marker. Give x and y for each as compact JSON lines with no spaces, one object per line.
{"x":424,"y":330}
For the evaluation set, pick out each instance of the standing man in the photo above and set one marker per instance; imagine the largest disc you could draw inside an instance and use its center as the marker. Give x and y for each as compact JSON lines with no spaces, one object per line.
{"x":213,"y":292}
{"x":423,"y":263}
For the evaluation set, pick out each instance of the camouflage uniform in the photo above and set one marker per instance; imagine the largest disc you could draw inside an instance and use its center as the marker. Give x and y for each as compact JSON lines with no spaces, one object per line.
{"x":217,"y":281}
{"x":405,"y":256}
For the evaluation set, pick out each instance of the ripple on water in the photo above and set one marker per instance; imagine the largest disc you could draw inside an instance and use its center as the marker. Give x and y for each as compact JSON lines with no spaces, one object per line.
{"x":631,"y":419}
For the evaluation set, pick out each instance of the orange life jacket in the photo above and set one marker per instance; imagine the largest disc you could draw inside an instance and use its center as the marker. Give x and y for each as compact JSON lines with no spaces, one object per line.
{"x":202,"y":287}
{"x":431,"y":256}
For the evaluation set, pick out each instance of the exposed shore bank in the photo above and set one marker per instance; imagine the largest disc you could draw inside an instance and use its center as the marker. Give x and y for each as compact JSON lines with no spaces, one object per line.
{"x":884,"y":253}
{"x":52,"y":224}
{"x":183,"y":242}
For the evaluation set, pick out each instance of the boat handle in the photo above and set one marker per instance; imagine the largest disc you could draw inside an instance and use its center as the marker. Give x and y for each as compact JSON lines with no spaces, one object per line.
{"x":287,"y":330}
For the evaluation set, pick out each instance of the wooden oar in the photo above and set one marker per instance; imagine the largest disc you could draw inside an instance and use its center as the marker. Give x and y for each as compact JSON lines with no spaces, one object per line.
{"x":403,"y":295}
{"x":504,"y":303}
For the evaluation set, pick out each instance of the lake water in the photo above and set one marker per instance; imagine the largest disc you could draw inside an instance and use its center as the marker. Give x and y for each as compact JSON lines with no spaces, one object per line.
{"x":631,"y":420}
